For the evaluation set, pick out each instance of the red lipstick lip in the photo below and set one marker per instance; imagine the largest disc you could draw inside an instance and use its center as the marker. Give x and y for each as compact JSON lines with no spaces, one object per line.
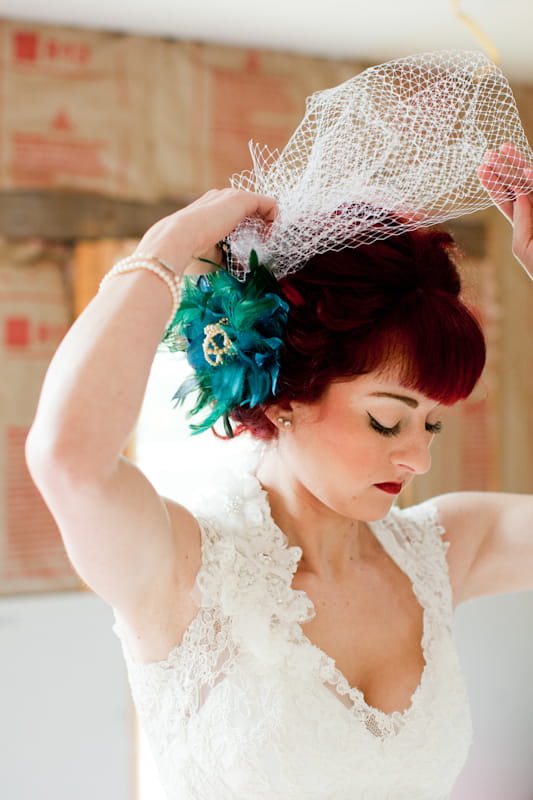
{"x":390,"y":488}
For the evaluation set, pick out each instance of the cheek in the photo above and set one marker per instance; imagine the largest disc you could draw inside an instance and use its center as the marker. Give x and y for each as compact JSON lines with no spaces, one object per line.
{"x":349,"y":451}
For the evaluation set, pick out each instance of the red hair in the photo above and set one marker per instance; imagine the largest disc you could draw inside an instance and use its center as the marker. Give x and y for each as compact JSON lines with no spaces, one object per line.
{"x":394,"y":302}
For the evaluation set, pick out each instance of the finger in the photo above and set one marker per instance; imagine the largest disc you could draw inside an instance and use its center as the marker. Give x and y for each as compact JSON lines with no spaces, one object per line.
{"x":528,"y":173}
{"x":509,"y":163}
{"x":499,"y":193}
{"x":496,"y":177}
{"x":236,"y":204}
{"x":256,"y":205}
{"x":522,"y":224}
{"x":502,"y":168}
{"x":216,"y":213}
{"x":523,"y":234}
{"x":516,"y":156}
{"x":528,"y":177}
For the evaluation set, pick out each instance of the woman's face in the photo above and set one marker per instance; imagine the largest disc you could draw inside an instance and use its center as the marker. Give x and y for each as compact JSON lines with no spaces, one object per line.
{"x":356,"y":448}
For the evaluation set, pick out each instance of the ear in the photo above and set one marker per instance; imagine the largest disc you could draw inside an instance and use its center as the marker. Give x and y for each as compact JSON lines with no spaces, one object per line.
{"x":281,"y":416}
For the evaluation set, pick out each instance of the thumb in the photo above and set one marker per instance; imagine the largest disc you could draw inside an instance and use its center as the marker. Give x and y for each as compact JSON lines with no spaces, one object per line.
{"x":523,"y":231}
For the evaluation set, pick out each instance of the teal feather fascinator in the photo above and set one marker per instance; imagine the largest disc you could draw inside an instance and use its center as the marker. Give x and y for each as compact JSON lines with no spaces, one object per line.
{"x":232,"y":332}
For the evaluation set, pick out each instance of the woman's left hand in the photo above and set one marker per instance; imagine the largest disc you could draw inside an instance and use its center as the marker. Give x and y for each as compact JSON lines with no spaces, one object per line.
{"x":508,"y":178}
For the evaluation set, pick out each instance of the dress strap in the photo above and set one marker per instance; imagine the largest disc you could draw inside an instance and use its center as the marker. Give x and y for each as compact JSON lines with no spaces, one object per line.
{"x":413,"y":538}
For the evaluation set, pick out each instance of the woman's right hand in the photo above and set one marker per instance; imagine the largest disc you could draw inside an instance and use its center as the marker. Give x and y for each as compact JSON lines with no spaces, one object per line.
{"x":194,"y":231}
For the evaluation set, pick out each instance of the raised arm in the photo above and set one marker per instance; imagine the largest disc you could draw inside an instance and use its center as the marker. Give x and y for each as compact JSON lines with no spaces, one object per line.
{"x":492,"y":533}
{"x":124,"y":540}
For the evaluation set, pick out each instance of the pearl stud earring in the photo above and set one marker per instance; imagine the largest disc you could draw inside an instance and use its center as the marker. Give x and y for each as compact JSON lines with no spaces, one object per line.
{"x":287,"y":423}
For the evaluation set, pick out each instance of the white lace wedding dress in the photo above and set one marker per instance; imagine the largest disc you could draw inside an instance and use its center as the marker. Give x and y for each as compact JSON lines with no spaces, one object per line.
{"x":247,"y":708}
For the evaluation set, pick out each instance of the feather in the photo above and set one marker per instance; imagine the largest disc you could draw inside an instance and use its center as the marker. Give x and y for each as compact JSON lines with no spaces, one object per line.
{"x":253,"y":316}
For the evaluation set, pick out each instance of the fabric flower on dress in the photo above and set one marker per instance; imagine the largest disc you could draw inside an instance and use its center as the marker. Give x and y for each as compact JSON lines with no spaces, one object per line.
{"x":251,"y":571}
{"x":232,"y":332}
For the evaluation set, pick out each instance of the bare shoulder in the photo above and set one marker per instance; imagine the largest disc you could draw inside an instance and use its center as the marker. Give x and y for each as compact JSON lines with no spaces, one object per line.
{"x":459,"y":511}
{"x":459,"y":514}
{"x":490,"y":543}
{"x":157,"y":624}
{"x":468,"y":516}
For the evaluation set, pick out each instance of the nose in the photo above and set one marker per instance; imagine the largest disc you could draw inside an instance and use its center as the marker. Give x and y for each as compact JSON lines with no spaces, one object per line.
{"x":414,"y":455}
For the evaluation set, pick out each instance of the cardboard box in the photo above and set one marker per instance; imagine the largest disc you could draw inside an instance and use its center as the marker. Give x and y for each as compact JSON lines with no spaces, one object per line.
{"x":73,"y":110}
{"x":210,"y":101}
{"x":142,"y":118}
{"x":34,"y":316}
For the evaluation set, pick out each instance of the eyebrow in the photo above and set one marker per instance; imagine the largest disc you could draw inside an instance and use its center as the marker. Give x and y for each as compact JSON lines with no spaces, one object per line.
{"x":410,"y":401}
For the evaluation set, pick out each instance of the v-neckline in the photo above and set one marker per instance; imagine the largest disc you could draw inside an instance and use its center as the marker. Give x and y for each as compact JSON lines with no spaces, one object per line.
{"x":379,"y":722}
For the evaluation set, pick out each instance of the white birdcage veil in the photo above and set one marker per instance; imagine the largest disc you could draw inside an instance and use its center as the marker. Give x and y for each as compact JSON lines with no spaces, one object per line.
{"x":400,"y":141}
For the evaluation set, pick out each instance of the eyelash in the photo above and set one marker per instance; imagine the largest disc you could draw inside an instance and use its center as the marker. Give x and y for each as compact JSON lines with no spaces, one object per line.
{"x":434,"y":428}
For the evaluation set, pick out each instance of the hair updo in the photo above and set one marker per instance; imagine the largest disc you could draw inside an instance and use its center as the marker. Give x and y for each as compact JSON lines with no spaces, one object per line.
{"x":393,"y":303}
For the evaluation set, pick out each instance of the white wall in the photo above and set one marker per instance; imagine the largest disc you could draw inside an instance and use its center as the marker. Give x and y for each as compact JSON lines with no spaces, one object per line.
{"x":65,"y":721}
{"x":496,"y":650}
{"x":66,"y":732}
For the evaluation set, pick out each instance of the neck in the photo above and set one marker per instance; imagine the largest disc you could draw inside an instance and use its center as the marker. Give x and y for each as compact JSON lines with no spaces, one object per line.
{"x":333,"y":545}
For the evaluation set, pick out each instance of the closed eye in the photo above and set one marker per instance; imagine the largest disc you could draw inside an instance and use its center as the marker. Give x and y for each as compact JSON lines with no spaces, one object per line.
{"x":433,"y":428}
{"x":377,"y":426}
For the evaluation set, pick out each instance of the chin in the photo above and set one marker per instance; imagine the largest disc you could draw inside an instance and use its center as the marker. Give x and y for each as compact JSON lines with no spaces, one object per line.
{"x":374,"y":511}
{"x":375,"y":517}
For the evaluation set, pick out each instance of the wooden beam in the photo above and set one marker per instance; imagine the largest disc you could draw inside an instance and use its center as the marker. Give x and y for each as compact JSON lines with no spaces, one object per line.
{"x":68,"y":215}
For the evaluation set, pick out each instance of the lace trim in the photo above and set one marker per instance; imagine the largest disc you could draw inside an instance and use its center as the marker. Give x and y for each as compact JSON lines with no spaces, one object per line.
{"x":252,"y":583}
{"x":425,"y":570}
{"x":247,"y":604}
{"x":413,"y":539}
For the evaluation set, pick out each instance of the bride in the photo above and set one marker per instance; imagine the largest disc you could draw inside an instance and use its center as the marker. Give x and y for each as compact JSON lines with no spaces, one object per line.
{"x":291,"y":637}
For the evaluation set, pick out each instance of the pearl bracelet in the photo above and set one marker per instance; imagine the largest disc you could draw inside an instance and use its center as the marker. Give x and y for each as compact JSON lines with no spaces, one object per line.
{"x":145,"y":257}
{"x":133,"y":263}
